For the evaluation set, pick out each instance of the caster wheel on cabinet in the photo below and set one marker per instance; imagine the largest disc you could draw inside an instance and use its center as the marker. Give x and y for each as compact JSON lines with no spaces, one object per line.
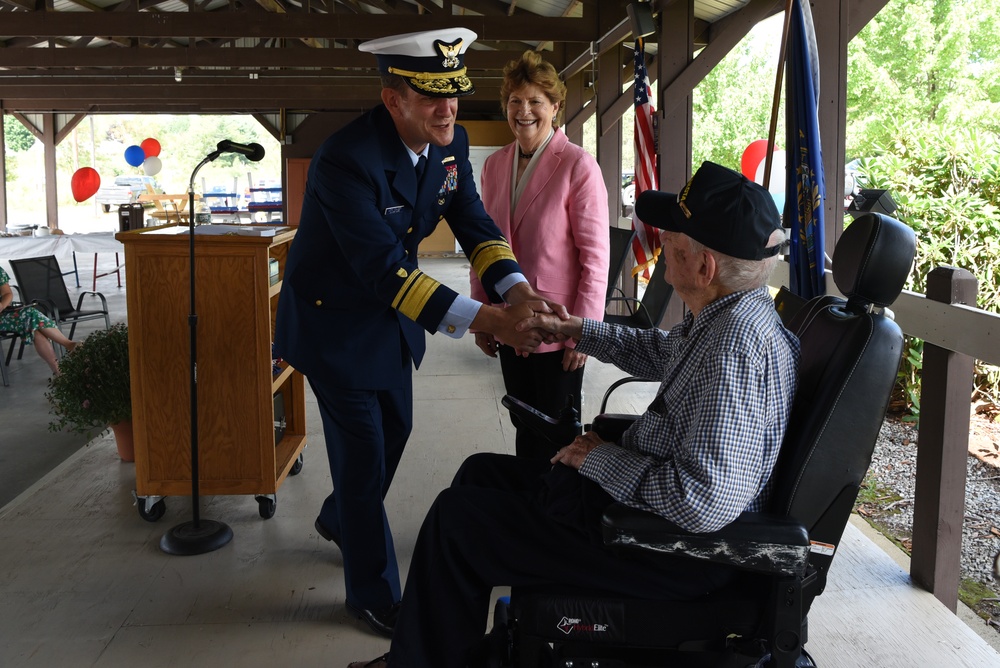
{"x":296,"y":467}
{"x":266,"y":505}
{"x":155,"y":512}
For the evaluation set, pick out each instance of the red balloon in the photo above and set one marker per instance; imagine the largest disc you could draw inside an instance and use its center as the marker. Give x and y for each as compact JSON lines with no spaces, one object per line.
{"x":753,"y":155}
{"x":151,"y":147}
{"x":85,"y":183}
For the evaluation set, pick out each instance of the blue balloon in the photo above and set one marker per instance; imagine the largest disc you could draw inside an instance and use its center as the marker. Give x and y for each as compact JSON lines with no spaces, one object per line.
{"x":135,"y":156}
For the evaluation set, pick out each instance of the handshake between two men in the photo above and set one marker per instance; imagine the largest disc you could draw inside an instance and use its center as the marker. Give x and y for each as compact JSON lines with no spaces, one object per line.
{"x":527,"y":323}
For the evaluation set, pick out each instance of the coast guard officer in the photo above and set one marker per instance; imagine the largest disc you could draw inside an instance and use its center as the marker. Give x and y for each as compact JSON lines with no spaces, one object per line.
{"x":354,"y":305}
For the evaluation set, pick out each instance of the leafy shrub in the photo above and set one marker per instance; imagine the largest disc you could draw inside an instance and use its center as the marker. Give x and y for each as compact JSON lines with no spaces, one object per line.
{"x":947,"y":185}
{"x":92,"y":389}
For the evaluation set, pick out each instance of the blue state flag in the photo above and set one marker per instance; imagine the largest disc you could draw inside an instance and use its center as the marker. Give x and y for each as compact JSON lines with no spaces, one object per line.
{"x":806,"y":185}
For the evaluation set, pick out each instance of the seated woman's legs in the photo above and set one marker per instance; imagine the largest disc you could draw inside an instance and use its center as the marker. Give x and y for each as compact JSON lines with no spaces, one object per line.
{"x":43,"y":338}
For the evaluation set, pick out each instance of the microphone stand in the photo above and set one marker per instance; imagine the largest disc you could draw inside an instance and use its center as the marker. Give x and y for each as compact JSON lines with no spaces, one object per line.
{"x":197,"y":536}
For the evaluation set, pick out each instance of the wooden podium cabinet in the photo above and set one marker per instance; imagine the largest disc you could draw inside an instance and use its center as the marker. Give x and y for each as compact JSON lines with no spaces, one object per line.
{"x":235,"y":303}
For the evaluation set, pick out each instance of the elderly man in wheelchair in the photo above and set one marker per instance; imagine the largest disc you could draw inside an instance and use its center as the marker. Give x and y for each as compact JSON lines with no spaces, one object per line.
{"x":699,"y":533}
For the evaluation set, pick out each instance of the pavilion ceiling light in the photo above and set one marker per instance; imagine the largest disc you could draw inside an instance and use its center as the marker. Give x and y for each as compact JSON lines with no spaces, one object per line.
{"x":178,"y":74}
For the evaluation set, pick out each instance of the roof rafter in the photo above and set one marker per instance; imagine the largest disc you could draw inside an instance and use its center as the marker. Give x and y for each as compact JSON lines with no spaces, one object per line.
{"x":243,"y":24}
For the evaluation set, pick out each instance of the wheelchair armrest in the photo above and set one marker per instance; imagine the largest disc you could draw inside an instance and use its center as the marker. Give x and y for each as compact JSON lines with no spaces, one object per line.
{"x":611,"y":426}
{"x":757,"y":542}
{"x":560,"y":432}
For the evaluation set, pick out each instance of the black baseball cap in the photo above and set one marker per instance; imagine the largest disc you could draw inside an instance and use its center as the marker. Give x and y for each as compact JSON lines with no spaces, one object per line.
{"x":719,"y":208}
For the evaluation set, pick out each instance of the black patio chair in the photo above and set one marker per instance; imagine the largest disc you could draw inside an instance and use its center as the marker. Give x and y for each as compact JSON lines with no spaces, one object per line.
{"x":621,"y":247}
{"x":9,"y":336}
{"x":12,"y":337}
{"x":649,"y":310}
{"x":41,"y":283}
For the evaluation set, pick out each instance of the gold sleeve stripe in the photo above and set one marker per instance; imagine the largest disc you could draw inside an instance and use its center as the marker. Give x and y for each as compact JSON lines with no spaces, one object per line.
{"x":406,"y":286}
{"x":488,"y":253}
{"x":413,"y":296}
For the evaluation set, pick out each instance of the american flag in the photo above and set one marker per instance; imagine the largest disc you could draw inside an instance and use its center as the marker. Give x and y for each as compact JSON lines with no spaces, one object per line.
{"x":646,"y":244}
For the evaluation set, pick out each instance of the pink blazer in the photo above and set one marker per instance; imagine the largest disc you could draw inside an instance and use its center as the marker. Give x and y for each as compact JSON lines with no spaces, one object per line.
{"x":559,"y":232}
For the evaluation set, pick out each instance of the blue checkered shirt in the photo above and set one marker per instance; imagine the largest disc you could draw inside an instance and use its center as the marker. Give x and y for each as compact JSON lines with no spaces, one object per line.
{"x":703,"y":451}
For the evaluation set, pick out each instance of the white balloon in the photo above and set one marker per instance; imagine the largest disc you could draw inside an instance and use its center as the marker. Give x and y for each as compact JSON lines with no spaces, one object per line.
{"x":777,"y":182}
{"x":152,"y":166}
{"x":776,"y":185}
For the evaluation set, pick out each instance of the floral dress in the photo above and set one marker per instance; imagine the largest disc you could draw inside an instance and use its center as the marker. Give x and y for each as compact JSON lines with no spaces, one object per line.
{"x":23,"y":321}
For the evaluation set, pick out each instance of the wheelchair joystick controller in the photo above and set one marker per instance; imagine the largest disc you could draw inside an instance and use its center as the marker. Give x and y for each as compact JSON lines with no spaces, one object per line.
{"x":569,"y":420}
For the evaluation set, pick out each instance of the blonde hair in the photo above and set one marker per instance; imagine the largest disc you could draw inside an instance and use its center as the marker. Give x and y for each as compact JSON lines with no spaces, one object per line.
{"x":530,"y":69}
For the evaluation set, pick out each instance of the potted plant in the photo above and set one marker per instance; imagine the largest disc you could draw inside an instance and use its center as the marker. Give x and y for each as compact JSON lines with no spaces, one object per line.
{"x":92,"y":390}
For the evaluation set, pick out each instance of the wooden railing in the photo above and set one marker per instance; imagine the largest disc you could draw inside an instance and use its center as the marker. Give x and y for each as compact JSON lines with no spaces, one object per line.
{"x":955,"y":334}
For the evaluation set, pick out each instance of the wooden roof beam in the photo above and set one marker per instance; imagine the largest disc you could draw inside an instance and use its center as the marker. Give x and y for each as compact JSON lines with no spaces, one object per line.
{"x":129,"y":58}
{"x":236,"y":25}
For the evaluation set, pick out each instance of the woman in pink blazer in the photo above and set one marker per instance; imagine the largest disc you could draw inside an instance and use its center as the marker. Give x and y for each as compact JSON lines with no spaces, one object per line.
{"x":548,"y":198}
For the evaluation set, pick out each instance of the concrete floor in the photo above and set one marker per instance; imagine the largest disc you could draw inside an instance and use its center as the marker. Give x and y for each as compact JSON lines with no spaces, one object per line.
{"x":28,"y":450}
{"x":84,"y":583}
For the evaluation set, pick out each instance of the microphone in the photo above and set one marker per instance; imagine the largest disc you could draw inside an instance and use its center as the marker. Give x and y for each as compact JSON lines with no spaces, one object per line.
{"x":252,"y":152}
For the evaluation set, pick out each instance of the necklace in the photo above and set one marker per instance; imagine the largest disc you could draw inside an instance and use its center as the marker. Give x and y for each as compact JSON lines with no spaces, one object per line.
{"x":526,"y":156}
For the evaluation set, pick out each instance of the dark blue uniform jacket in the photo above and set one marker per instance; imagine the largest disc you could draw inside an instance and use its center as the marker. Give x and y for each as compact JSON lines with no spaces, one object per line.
{"x":354,"y":305}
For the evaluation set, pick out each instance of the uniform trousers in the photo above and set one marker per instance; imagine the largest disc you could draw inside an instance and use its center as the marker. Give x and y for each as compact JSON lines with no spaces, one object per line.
{"x":366,"y":432}
{"x":510,"y":521}
{"x":539,"y":381}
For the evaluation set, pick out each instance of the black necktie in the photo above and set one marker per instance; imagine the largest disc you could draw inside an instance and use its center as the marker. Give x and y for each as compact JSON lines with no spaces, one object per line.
{"x":419,"y":167}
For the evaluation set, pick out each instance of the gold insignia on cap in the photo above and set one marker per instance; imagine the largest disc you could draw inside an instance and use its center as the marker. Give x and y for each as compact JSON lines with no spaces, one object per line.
{"x":401,"y":272}
{"x":437,"y":82}
{"x":681,"y":196}
{"x":450,"y":52}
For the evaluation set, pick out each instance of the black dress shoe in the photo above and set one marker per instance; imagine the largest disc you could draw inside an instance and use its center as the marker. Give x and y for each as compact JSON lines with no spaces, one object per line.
{"x":326,"y":533}
{"x":381,"y":620}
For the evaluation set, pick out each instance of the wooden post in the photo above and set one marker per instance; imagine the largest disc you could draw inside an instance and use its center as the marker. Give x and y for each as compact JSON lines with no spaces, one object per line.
{"x":51,"y":200}
{"x":942,"y":450}
{"x":3,"y":177}
{"x":675,"y":54}
{"x":609,"y":140}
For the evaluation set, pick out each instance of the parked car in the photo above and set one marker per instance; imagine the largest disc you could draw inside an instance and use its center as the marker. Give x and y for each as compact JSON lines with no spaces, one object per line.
{"x":124,"y":190}
{"x":628,"y":189}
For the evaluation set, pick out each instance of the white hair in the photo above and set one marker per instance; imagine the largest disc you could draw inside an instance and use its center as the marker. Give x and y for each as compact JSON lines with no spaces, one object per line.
{"x":736,"y":274}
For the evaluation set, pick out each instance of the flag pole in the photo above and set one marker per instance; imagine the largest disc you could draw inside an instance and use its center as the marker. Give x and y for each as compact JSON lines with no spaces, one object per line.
{"x":776,"y":99}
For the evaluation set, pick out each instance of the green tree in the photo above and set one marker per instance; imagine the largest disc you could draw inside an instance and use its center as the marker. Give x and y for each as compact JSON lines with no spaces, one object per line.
{"x":16,"y":136}
{"x":935,"y":61}
{"x":732,"y":105}
{"x":184,"y":141}
{"x":923,"y":112}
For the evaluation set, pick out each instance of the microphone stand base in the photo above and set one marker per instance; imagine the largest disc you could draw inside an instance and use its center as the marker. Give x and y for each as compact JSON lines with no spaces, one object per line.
{"x":186,"y":539}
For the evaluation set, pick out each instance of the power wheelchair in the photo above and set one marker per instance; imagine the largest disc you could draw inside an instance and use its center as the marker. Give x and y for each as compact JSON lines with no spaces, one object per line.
{"x":850,"y":356}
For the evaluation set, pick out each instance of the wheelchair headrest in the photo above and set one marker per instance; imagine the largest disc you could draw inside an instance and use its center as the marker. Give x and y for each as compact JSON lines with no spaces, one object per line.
{"x":873,"y":259}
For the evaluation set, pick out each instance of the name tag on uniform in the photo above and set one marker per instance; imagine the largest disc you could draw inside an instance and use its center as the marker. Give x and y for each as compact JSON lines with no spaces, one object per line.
{"x":392,"y":210}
